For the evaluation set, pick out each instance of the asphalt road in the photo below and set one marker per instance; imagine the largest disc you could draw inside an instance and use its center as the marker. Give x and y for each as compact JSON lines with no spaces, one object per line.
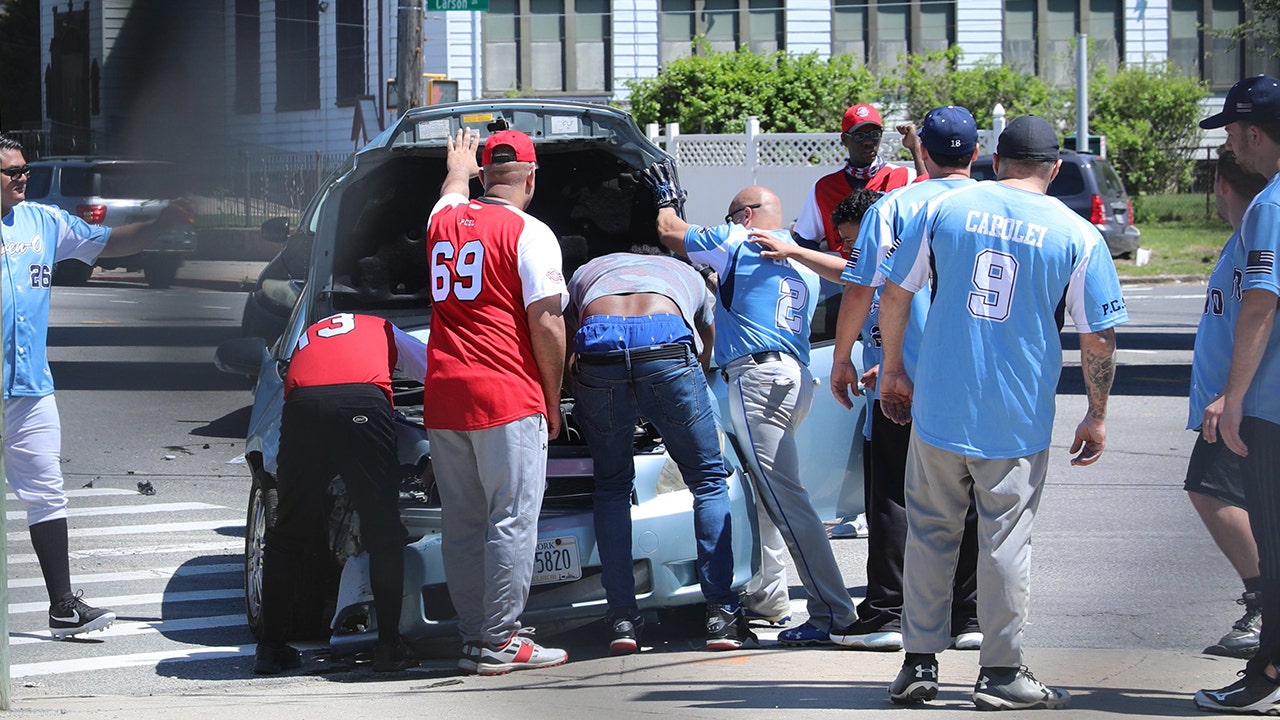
{"x":1120,"y":560}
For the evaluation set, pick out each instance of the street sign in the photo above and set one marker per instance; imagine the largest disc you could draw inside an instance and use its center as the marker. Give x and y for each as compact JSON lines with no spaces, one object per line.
{"x":471,"y":5}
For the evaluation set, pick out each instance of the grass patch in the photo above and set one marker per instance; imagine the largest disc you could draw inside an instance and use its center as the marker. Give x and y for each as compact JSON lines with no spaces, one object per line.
{"x":1178,"y":208}
{"x":1180,"y":249}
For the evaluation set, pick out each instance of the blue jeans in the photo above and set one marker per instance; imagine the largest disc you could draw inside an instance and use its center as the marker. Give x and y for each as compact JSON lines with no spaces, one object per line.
{"x":673,"y":395}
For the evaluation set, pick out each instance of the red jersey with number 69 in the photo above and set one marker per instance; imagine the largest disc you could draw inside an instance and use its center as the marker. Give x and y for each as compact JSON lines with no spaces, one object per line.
{"x":489,"y":261}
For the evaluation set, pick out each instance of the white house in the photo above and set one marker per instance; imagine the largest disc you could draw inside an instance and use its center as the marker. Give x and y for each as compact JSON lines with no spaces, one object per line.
{"x":126,"y":75}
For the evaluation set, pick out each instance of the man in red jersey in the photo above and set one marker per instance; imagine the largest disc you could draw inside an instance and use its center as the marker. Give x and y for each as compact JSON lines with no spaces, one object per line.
{"x":861,"y":130}
{"x":337,"y":421}
{"x":492,"y":399}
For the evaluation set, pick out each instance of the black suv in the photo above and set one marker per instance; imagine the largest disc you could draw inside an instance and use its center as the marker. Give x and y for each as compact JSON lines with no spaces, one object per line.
{"x":109,"y":191}
{"x":1090,"y":186}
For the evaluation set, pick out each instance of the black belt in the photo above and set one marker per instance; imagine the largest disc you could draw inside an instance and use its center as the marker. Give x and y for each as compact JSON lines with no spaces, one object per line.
{"x":670,"y":351}
{"x":767,"y":356}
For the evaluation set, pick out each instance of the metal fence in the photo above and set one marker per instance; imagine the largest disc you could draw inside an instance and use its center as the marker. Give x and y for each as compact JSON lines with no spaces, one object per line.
{"x":249,"y":187}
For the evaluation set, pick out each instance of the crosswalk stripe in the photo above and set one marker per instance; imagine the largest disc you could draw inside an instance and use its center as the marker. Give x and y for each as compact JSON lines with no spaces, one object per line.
{"x":109,"y":662}
{"x":84,"y":492}
{"x":195,"y":526}
{"x":194,"y":549}
{"x":149,"y":574}
{"x":188,"y":653}
{"x":141,"y":628}
{"x":143,"y":599}
{"x":126,"y":509}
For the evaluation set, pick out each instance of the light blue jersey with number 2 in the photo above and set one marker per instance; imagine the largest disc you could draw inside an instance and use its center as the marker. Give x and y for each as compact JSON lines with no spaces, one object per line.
{"x":1002,"y":259}
{"x":763,"y":304}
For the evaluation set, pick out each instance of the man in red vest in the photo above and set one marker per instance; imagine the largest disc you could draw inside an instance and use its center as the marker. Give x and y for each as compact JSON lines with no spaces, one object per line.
{"x":861,"y":130}
{"x":337,"y":421}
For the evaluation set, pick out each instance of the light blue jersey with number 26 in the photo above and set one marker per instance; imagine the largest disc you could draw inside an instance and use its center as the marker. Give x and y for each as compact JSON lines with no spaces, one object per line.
{"x":1002,"y":258}
{"x":763,"y":304}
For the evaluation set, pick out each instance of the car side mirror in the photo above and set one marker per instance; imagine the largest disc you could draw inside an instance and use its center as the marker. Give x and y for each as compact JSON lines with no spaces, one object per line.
{"x":240,"y":356}
{"x":275,"y":230}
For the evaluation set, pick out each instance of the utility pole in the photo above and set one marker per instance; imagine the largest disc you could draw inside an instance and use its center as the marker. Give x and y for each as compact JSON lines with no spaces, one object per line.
{"x":409,"y":55}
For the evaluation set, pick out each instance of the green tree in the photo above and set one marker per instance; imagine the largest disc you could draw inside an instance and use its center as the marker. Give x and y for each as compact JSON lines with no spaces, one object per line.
{"x":711,"y":92}
{"x":1149,"y":116}
{"x":19,"y":63}
{"x":924,"y":82}
{"x":1261,"y":27}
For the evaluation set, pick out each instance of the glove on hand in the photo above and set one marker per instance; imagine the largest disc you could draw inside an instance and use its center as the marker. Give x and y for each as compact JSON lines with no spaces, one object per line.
{"x":660,"y":178}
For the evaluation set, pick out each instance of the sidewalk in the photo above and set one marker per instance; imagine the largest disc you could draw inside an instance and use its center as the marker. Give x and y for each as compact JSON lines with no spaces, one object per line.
{"x":772,"y":682}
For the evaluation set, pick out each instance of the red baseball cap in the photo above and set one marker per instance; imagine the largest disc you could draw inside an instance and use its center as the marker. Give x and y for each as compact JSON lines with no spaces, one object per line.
{"x":509,"y":146}
{"x":860,"y":114}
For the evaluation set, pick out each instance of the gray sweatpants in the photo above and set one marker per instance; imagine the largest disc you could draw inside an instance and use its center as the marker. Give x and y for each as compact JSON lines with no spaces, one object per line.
{"x":1006,"y":494}
{"x":767,"y":403}
{"x":491,"y":483}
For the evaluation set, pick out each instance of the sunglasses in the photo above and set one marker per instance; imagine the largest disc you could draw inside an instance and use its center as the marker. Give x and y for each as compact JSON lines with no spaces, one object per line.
{"x":864,"y":135}
{"x":729,"y":218}
{"x":16,"y":171}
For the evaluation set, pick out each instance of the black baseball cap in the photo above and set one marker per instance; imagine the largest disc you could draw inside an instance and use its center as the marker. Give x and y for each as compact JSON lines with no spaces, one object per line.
{"x":1028,"y":137}
{"x":949,"y":130}
{"x":1255,"y":99}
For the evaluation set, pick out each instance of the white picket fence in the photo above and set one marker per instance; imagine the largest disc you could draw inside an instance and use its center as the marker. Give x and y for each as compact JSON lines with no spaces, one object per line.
{"x":713,"y":168}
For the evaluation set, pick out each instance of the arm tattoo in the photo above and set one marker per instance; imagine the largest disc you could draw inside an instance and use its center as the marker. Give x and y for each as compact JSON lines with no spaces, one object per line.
{"x":1099,"y":365}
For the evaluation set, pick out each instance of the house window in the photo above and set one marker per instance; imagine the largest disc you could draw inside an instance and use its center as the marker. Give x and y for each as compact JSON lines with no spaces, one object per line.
{"x":1020,"y":36}
{"x":1105,"y":30}
{"x":1058,"y":49}
{"x":1040,"y":35}
{"x":297,"y":55}
{"x":248,"y":39}
{"x":1197,"y":46}
{"x":725,"y":24}
{"x":882,"y":33}
{"x":349,"y":51}
{"x":893,"y":28}
{"x":849,"y":29}
{"x":548,"y":46}
{"x":594,"y":38}
{"x":937,"y":27}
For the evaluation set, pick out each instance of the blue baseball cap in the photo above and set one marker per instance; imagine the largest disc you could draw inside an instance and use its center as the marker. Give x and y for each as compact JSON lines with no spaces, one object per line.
{"x":1255,"y":99}
{"x":949,"y":130}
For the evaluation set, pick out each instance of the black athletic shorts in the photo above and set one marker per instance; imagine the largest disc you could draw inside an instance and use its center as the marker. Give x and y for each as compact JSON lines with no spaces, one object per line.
{"x":1215,"y":471}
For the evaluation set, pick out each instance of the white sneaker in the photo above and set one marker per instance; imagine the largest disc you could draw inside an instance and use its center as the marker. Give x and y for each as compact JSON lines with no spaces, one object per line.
{"x":967,"y":641}
{"x":519,"y":653}
{"x":850,"y":528}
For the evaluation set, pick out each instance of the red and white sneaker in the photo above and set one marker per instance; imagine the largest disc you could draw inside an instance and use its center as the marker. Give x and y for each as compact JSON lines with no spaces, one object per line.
{"x":520,"y":652}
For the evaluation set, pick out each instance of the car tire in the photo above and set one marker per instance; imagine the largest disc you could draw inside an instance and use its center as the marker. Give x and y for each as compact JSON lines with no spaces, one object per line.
{"x":161,"y":270}
{"x":261,"y":514}
{"x":71,"y":273}
{"x":315,"y":592}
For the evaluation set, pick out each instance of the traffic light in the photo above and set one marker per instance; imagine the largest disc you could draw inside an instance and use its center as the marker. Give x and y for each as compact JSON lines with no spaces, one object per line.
{"x":440,"y":89}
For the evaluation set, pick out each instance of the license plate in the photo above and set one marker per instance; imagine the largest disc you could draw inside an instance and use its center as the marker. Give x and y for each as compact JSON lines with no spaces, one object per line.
{"x":556,"y":560}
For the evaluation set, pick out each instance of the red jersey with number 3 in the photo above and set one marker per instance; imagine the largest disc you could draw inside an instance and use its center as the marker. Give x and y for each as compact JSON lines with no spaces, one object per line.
{"x":343,"y":349}
{"x":489,"y":261}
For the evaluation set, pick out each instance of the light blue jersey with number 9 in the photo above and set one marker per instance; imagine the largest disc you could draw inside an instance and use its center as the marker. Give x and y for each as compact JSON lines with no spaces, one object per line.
{"x":762,"y":304}
{"x":1003,"y":258}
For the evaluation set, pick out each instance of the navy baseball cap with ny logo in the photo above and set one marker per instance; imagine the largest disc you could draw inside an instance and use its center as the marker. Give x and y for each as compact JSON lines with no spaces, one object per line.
{"x":1255,"y":99}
